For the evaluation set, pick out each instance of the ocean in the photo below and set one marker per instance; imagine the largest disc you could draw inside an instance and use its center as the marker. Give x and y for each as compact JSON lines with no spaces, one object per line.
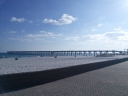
{"x":6,"y":55}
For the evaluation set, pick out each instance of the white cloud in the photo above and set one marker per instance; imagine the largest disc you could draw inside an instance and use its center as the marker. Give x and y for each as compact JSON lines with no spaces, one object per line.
{"x":65,"y":19}
{"x":30,"y":21}
{"x":108,"y":40}
{"x":21,"y":39}
{"x":10,"y":31}
{"x":94,"y":29}
{"x":12,"y":38}
{"x":42,"y":31}
{"x":43,"y":34}
{"x":13,"y":19}
{"x":72,"y":38}
{"x":23,"y":30}
{"x":117,"y":29}
{"x":108,"y":36}
{"x":115,"y":35}
{"x":34,"y":35}
{"x":99,"y":25}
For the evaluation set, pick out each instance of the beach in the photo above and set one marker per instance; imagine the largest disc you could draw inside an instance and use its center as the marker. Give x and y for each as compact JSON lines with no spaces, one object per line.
{"x":31,"y":64}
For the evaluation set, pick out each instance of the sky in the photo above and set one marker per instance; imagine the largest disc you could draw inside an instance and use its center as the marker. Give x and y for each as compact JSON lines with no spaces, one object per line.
{"x":55,"y":25}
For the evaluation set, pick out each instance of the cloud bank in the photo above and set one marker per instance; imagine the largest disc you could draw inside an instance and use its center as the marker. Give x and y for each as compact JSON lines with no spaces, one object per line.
{"x":41,"y":36}
{"x":108,"y":40}
{"x":116,"y":36}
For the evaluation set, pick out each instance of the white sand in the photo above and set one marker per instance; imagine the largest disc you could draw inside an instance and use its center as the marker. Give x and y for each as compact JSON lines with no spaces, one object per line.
{"x":10,"y":65}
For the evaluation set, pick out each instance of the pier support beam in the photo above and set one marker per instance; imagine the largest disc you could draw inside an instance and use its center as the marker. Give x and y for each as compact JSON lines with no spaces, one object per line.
{"x":52,"y":53}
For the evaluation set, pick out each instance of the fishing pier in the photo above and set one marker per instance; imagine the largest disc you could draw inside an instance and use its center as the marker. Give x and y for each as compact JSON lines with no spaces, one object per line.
{"x":71,"y":53}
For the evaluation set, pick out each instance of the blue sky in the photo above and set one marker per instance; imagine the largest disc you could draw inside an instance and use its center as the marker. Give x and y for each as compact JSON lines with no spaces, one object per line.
{"x":40,"y":25}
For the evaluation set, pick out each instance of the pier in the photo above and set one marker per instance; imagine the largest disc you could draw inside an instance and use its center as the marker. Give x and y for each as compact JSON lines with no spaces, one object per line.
{"x":71,"y":53}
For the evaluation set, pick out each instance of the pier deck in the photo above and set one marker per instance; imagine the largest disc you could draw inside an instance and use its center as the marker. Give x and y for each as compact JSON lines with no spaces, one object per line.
{"x":108,"y":81}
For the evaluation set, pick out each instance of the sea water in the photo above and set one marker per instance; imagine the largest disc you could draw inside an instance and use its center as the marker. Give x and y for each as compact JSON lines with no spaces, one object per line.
{"x":6,"y":55}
